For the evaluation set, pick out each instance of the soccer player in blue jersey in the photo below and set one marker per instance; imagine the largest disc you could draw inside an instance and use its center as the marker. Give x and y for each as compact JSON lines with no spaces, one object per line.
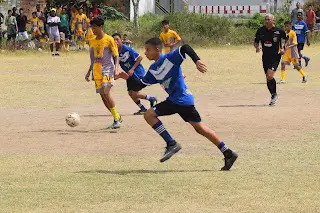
{"x":130,"y":62}
{"x":302,"y":31}
{"x":166,"y":71}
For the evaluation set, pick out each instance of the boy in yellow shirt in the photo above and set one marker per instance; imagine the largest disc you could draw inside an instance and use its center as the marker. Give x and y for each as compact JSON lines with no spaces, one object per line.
{"x":81,"y":28}
{"x":104,"y":57}
{"x":35,"y":26}
{"x":291,"y":55}
{"x":169,"y":38}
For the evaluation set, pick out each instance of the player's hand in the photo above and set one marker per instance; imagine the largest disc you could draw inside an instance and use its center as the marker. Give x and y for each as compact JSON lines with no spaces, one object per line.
{"x":201,"y":66}
{"x":130,"y":73}
{"x":281,"y":51}
{"x":308,"y":43}
{"x":257,"y":50}
{"x":87,"y":76}
{"x":122,"y":75}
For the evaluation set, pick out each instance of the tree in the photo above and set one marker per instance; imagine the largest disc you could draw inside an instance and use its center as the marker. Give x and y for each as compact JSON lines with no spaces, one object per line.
{"x":136,"y":14}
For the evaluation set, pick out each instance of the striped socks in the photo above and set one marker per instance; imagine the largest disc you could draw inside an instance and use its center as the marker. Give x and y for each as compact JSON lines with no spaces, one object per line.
{"x":140,"y":105}
{"x":225,"y":150}
{"x":161,"y":130}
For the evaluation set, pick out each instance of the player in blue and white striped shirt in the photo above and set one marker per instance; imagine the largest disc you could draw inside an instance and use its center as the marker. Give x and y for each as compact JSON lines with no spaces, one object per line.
{"x":166,"y":71}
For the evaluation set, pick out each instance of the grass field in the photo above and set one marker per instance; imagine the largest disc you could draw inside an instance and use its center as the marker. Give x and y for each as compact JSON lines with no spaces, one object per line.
{"x":46,"y":166}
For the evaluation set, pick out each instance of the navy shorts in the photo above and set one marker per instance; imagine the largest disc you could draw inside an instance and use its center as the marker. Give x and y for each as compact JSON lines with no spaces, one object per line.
{"x":300,"y":46}
{"x":187,"y":113}
{"x":134,"y":85}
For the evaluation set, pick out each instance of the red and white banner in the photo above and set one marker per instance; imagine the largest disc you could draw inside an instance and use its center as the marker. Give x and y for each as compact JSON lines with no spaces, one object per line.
{"x":245,"y":10}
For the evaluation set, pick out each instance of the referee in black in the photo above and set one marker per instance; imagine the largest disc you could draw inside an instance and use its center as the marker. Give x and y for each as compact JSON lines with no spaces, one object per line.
{"x":270,"y":38}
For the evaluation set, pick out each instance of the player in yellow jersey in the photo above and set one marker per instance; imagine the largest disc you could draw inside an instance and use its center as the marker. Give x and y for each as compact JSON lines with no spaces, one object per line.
{"x":291,"y":55}
{"x":73,"y":20}
{"x":104,"y":57}
{"x":81,"y":28}
{"x":89,"y":34}
{"x":35,"y":26}
{"x":169,"y":38}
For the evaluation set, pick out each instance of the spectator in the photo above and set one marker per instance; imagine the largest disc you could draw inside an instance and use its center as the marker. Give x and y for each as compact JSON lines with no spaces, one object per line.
{"x":14,"y":12}
{"x":53,"y":31}
{"x":96,"y":11}
{"x":64,"y":25}
{"x":35,"y":26}
{"x":12,"y":28}
{"x":126,"y":41}
{"x":22,"y":24}
{"x":311,"y":18}
{"x":1,"y":35}
{"x":41,"y":17}
{"x":294,"y":13}
{"x":318,"y":21}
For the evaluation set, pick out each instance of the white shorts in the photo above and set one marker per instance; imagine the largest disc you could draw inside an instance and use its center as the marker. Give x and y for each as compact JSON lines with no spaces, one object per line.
{"x":54,"y":38}
{"x":23,"y":36}
{"x":317,"y":28}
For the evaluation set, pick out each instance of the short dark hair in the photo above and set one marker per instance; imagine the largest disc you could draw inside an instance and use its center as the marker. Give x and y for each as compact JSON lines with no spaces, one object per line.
{"x":20,"y":9}
{"x":34,"y":13}
{"x":9,"y":11}
{"x":287,"y":23}
{"x":125,"y":35}
{"x":299,"y":13}
{"x":98,"y":21}
{"x":116,"y":34}
{"x":154,"y":42}
{"x":165,"y":22}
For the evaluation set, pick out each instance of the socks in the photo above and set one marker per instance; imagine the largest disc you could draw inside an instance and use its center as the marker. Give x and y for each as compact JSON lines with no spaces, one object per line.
{"x":161,"y":130}
{"x":302,"y":72}
{"x":225,"y":149}
{"x":140,"y":105}
{"x":148,"y":97}
{"x":272,"y":86}
{"x":283,"y":75}
{"x":115,"y":114}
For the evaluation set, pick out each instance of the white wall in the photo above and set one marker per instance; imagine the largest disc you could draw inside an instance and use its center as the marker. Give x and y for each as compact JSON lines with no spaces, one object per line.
{"x":145,"y":6}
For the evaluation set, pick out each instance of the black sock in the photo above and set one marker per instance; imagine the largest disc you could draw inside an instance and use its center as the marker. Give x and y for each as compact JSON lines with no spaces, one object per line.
{"x":140,"y":105}
{"x":272,"y":86}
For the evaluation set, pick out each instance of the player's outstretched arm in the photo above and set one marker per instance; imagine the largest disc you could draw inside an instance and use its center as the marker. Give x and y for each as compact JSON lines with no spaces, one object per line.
{"x":186,"y":49}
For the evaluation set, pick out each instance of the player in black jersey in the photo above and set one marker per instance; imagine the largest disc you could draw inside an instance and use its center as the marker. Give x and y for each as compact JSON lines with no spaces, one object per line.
{"x":270,"y":38}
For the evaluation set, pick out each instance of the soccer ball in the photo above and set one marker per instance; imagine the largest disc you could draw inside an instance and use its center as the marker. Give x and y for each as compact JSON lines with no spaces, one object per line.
{"x":73,"y":119}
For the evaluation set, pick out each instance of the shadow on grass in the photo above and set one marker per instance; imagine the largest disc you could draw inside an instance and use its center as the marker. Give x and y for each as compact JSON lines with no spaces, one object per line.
{"x":94,"y":116}
{"x":245,"y":105}
{"x":69,"y":132}
{"x":142,"y":171}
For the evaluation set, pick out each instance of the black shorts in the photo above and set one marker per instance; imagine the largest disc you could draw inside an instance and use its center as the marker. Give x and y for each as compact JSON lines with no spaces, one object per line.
{"x":187,"y":113}
{"x":300,"y":46}
{"x":13,"y":37}
{"x":271,"y":62}
{"x":134,"y":85}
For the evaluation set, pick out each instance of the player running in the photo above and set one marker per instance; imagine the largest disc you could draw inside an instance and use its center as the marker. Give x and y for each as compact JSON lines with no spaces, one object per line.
{"x":291,"y":55}
{"x":104,"y":64}
{"x":166,"y":71}
{"x":270,"y":38}
{"x":130,"y":62}
{"x":302,"y":31}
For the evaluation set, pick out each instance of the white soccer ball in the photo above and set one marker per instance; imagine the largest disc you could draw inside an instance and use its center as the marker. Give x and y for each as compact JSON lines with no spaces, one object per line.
{"x":73,"y":119}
